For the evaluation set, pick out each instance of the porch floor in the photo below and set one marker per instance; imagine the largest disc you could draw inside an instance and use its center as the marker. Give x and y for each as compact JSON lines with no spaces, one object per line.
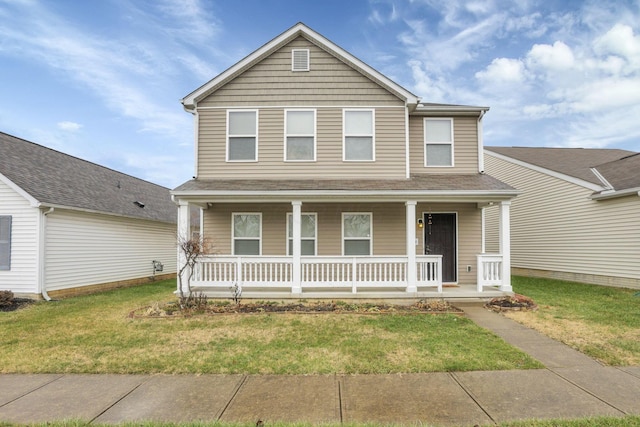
{"x":458,"y":292}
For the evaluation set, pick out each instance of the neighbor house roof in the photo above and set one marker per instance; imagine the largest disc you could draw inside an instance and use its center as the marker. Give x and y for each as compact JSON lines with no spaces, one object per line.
{"x":190,"y":101}
{"x":608,"y":169}
{"x":470,"y":186}
{"x":55,"y":179}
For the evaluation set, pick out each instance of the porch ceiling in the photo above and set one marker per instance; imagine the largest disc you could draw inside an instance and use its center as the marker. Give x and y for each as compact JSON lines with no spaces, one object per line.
{"x":477,"y":188}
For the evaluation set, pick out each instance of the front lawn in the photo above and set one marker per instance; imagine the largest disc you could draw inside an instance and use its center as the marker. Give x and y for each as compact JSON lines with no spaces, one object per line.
{"x":93,"y":334}
{"x":602,"y":322}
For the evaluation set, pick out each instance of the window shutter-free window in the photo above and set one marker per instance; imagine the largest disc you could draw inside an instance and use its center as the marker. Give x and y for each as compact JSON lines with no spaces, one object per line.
{"x":356,"y":234}
{"x":242,"y":142}
{"x":308,"y":228}
{"x":300,"y":134}
{"x":438,"y":136}
{"x":5,"y":242}
{"x":358,"y":135}
{"x":247,"y":233}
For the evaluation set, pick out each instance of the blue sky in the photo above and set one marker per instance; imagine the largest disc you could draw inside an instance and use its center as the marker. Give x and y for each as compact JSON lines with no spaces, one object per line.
{"x":102,"y":79}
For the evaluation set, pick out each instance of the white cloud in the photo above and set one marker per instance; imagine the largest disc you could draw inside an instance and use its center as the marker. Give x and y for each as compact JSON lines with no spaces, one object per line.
{"x":502,"y":71}
{"x":556,"y":57}
{"x":69,"y":126}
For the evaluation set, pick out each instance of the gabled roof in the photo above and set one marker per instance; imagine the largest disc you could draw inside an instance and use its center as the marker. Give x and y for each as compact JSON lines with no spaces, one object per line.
{"x":622,"y":174}
{"x":190,"y":101}
{"x":54,"y":179}
{"x":574,"y":162}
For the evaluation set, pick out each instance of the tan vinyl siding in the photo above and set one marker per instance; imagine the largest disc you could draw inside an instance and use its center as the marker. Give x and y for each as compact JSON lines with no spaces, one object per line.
{"x":555,"y":226}
{"x":22,"y":278}
{"x":329,"y":82}
{"x":87,"y":249}
{"x":389,"y":228}
{"x":389,"y":147}
{"x":465,"y":146}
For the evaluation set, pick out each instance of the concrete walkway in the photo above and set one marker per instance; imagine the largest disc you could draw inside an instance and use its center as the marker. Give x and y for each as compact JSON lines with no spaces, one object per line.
{"x":571,"y":386}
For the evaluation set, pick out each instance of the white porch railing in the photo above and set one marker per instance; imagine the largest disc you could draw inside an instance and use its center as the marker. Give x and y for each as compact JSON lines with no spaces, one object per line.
{"x":489,"y":270}
{"x":316,"y":272}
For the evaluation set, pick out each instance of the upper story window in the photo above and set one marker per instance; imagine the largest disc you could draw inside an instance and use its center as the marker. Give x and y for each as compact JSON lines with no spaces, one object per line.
{"x":359,"y":138}
{"x":438,"y":139}
{"x":247,"y":233}
{"x":308,"y":232}
{"x":300,"y":135}
{"x":300,"y":60}
{"x":242,"y":136}
{"x":5,"y":242}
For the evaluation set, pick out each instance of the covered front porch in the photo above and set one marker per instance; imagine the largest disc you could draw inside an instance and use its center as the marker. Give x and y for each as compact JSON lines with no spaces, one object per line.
{"x":399,"y":263}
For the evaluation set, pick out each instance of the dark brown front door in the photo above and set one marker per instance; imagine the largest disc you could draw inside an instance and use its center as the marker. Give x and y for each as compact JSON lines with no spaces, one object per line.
{"x":440,"y":239}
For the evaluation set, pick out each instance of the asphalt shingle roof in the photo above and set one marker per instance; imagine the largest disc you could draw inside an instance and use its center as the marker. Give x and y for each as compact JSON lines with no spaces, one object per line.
{"x":575,"y":162}
{"x":418,"y":182}
{"x":55,"y":178}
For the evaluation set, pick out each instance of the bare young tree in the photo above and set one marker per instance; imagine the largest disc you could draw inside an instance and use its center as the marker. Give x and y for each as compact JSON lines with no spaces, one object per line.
{"x":192,"y":249}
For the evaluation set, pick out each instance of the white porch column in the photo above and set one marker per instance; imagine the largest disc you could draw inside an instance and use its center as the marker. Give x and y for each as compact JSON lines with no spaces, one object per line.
{"x":411,"y":246}
{"x":505,"y":245}
{"x":183,"y":236}
{"x":296,"y":219}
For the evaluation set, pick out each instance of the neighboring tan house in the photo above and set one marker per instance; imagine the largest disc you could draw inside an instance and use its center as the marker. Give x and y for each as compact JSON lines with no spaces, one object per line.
{"x":68,"y":226}
{"x":318,"y":176}
{"x":578,"y":217}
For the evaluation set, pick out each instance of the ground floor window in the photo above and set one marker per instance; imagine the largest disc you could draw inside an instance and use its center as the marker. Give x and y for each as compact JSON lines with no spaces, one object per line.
{"x":356,"y":234}
{"x":247,"y":233}
{"x":309,"y":227}
{"x":5,"y":242}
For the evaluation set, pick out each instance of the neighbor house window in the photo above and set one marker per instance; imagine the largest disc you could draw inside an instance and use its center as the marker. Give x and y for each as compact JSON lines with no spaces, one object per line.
{"x":356,"y":233}
{"x":438,"y":137}
{"x":242,"y":136}
{"x":300,"y":135}
{"x":309,"y":223}
{"x":359,"y":138}
{"x":247,"y":233}
{"x":5,"y":242}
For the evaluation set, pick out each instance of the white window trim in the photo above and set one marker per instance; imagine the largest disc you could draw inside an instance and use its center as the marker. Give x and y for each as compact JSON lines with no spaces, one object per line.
{"x":293,"y":54}
{"x":451,"y":143}
{"x":315,"y":133}
{"x":372,"y":135}
{"x":315,"y":239}
{"x":233,"y":232}
{"x":229,"y":111}
{"x":370,"y":234}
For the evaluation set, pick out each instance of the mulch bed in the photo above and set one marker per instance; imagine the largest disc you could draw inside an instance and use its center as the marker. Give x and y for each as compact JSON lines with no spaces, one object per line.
{"x":514,"y":302}
{"x":9,"y":303}
{"x":213,"y":308}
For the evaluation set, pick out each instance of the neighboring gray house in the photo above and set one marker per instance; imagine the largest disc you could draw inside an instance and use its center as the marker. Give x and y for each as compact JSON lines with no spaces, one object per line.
{"x":68,"y":226}
{"x":578,"y":217}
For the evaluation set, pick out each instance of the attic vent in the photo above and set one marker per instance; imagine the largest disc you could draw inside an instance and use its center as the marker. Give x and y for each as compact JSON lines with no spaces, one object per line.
{"x":300,"y":60}
{"x":139,"y":204}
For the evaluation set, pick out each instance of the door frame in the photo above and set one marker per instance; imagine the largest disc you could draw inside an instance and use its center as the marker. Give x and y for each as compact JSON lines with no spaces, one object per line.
{"x":424,"y":241}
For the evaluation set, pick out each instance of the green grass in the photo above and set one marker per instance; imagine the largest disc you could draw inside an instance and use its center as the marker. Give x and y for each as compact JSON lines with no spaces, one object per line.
{"x":603,"y":322}
{"x":92,"y":334}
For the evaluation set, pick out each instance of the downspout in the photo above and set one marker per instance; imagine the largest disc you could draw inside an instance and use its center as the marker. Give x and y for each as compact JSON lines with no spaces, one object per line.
{"x":42,"y":257}
{"x":480,"y":143}
{"x":407,"y":159}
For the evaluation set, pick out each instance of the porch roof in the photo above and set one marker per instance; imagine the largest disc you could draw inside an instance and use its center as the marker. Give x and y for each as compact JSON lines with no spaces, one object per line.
{"x":450,"y":187}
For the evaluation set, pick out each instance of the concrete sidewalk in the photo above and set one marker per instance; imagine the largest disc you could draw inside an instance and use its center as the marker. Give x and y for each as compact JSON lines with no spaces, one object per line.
{"x":572,"y":386}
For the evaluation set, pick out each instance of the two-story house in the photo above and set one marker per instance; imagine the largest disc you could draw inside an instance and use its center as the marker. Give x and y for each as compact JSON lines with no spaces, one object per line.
{"x":319,"y":176}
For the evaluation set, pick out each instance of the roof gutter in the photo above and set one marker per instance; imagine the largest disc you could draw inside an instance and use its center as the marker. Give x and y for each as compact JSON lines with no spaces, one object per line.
{"x":615,"y":194}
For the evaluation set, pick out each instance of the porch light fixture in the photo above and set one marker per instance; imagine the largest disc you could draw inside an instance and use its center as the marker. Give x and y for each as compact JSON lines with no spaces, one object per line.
{"x":420,"y":223}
